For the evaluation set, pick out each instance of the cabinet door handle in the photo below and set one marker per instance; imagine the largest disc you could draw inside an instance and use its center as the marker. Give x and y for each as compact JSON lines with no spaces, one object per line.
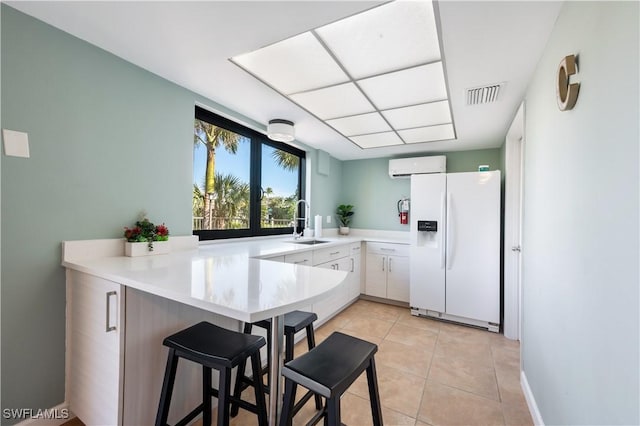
{"x":353,"y":265}
{"x":110,"y":327}
{"x":390,"y":259}
{"x":387,"y":249}
{"x":334,"y":253}
{"x":301,"y":261}
{"x":383,"y":263}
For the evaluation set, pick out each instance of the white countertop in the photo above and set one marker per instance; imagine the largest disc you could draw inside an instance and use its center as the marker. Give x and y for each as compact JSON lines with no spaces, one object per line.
{"x":221,"y":277}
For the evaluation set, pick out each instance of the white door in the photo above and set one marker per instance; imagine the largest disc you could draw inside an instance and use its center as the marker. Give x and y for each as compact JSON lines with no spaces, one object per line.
{"x":376,"y":275}
{"x":398,"y":278}
{"x":473,"y":245}
{"x":427,"y":255}
{"x":512,"y":225}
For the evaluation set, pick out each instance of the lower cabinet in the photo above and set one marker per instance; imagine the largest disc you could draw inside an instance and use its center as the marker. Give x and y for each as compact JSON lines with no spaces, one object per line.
{"x":95,"y":342}
{"x":387,"y":271}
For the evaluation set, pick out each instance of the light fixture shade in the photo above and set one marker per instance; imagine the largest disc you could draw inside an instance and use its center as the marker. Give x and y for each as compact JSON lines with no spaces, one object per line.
{"x":281,"y":130}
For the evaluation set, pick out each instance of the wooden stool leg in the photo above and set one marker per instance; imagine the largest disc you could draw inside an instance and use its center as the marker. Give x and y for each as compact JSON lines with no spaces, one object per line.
{"x":286,"y":417}
{"x":311,"y":343}
{"x":374,"y":395}
{"x":206,"y":396}
{"x":238,"y":387}
{"x":258,"y":386}
{"x":167,"y":388}
{"x":224,"y":389}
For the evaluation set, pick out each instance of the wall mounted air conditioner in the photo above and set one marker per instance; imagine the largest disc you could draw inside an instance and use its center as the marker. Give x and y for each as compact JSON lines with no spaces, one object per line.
{"x":405,"y":167}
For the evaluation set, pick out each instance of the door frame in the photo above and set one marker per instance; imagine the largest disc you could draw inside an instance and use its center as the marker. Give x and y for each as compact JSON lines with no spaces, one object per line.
{"x":514,"y":168}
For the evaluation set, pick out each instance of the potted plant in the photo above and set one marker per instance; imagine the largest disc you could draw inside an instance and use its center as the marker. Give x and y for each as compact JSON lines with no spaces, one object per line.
{"x":344,"y":214}
{"x":145,"y":238}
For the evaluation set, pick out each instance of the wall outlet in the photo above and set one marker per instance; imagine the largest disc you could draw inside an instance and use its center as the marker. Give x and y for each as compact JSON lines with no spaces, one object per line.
{"x":328,"y":219}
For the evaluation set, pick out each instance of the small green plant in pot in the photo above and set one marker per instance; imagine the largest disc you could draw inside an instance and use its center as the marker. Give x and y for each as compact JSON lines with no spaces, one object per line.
{"x":344,"y":214}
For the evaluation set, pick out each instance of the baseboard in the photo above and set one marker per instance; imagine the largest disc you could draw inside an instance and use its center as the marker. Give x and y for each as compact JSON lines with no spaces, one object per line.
{"x":55,"y":416}
{"x":531,"y":401}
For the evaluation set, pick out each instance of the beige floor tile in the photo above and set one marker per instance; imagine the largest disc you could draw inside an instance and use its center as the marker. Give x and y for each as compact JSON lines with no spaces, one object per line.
{"x":504,"y":358}
{"x":412,"y":336}
{"x":517,"y":414}
{"x":419,"y":322}
{"x":356,"y":411}
{"x":451,"y":331}
{"x":473,"y":350}
{"x":399,"y":390}
{"x":369,"y":326}
{"x":404,"y":357}
{"x":443,"y":405}
{"x":362,"y":335}
{"x":498,"y":340}
{"x":464,"y":374}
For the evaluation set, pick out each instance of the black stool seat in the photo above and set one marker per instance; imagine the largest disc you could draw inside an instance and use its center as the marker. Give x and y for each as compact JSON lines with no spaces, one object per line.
{"x":206,"y":343}
{"x":216,"y":348}
{"x":293,"y":321}
{"x":328,"y":370}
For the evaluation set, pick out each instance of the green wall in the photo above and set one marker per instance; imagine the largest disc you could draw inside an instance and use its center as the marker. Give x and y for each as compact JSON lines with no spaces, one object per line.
{"x":581,"y":325}
{"x":367,"y":185}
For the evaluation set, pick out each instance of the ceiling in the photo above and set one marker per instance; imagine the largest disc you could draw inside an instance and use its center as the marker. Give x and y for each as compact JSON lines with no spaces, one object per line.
{"x":190,"y":43}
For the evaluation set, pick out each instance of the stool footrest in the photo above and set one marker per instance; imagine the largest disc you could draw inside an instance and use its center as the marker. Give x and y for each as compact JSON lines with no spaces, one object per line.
{"x":192,"y":415}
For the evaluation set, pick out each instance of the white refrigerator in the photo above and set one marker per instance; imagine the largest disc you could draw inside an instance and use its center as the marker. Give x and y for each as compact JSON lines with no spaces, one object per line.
{"x":455,"y":247}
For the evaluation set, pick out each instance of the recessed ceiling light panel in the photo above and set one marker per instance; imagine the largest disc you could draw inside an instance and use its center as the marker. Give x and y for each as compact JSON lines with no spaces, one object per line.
{"x":377,"y":140}
{"x":406,"y":87}
{"x":428,"y":134}
{"x":386,"y":38}
{"x":335,"y":101}
{"x":293,"y":65}
{"x":419,"y":115}
{"x":360,"y":124}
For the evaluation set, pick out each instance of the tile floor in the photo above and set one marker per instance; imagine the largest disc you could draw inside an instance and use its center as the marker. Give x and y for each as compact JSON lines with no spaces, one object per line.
{"x":429,"y":372}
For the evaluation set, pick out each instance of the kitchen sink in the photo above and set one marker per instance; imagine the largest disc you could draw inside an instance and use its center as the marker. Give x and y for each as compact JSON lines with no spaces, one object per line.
{"x":308,"y":242}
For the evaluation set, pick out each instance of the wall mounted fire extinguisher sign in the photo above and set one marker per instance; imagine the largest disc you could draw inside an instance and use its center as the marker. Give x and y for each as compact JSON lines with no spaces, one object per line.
{"x":403,"y":211}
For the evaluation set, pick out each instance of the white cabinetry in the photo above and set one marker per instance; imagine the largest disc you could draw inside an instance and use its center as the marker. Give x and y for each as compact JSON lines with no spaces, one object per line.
{"x":387,"y":271}
{"x":95,"y":340}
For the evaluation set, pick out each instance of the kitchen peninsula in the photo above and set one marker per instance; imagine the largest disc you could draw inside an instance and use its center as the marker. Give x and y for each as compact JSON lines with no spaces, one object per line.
{"x":119,"y":309}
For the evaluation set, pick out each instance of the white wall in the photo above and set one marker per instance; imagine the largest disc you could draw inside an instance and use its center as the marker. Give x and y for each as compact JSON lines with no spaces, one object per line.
{"x":580,"y":345}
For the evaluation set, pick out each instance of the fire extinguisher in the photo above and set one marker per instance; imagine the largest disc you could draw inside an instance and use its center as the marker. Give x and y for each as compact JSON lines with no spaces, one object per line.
{"x":403,"y":211}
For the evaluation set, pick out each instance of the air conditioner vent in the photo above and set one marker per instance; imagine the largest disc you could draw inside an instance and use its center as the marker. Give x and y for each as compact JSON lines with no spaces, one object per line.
{"x":484,"y":94}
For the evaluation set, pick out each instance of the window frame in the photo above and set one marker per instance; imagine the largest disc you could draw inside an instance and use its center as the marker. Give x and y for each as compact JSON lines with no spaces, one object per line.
{"x":256,"y":139}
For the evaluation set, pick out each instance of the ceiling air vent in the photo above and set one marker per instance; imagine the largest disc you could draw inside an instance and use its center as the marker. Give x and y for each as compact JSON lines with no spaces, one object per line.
{"x":484,"y":94}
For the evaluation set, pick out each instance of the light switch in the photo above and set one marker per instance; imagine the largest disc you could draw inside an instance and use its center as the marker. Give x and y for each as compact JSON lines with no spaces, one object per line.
{"x":328,"y":219}
{"x":16,"y":144}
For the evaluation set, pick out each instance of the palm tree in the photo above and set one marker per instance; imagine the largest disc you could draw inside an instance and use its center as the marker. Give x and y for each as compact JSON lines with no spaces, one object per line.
{"x":286,"y":160}
{"x":212,"y":137}
{"x":231,"y":200}
{"x":198,"y":203}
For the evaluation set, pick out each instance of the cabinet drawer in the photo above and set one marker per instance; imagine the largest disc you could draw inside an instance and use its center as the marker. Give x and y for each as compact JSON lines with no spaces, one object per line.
{"x":330,"y":253}
{"x":304,"y":258}
{"x":355,"y":248}
{"x":388,"y":249}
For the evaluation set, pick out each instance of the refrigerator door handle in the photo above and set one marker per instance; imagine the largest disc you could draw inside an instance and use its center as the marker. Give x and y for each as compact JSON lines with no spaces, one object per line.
{"x":449,"y":231}
{"x":442,"y":241}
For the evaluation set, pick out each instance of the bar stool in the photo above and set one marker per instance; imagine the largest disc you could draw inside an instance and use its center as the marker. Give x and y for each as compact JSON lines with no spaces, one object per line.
{"x":294,"y":322}
{"x":216,"y":348}
{"x":328,"y":370}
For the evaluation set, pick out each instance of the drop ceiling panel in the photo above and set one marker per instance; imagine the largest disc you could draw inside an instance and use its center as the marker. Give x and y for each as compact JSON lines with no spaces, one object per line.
{"x":428,"y":134}
{"x":387,"y":38}
{"x":419,"y":115}
{"x":360,"y":124}
{"x":406,"y":87}
{"x":293,"y":65}
{"x":377,"y":140}
{"x":334,"y":102}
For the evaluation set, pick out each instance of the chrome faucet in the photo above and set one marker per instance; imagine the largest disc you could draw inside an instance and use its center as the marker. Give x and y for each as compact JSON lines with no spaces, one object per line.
{"x":296,"y":219}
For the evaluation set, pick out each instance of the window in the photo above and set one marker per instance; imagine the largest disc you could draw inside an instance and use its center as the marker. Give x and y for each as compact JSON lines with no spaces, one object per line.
{"x":243,"y":183}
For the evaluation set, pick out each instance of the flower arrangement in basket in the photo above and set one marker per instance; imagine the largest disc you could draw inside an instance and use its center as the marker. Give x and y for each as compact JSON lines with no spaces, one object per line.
{"x":146,"y":232}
